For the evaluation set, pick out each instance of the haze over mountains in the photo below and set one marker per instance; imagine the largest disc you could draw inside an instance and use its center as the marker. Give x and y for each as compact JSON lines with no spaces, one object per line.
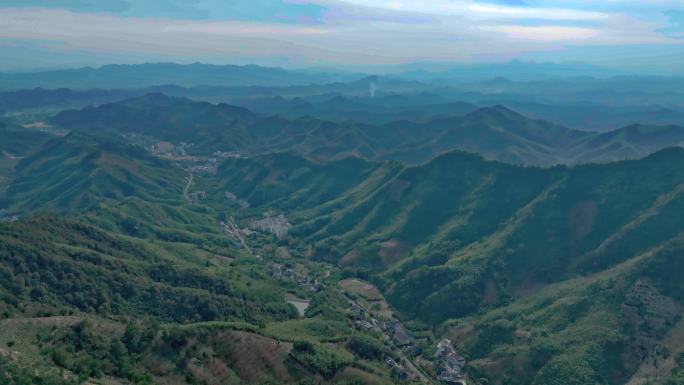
{"x":246,"y":225}
{"x":198,"y":74}
{"x":157,"y":74}
{"x":583,"y":103}
{"x":497,"y":132}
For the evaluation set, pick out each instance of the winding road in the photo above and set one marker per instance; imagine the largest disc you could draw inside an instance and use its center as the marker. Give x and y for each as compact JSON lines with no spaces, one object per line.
{"x":186,"y":189}
{"x":235,"y":230}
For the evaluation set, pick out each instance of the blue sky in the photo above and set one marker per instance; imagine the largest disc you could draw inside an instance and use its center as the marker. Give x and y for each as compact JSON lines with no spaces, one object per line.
{"x":634,"y":34}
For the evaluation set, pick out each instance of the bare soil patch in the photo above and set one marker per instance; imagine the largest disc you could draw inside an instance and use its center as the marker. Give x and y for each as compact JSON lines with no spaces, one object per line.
{"x":361,"y":288}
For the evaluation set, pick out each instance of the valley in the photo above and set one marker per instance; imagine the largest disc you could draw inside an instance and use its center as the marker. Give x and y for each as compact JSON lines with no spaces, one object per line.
{"x":316,"y":234}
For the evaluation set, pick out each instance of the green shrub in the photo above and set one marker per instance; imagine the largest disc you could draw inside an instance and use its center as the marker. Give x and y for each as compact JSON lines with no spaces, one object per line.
{"x":317,"y":358}
{"x":366,"y":347}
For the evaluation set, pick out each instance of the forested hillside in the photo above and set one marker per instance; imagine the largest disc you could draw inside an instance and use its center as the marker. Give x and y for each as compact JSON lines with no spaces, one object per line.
{"x":497,"y":133}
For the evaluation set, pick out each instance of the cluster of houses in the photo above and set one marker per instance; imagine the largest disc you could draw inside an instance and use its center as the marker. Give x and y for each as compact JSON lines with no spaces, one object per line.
{"x":361,"y":322}
{"x":393,"y":329}
{"x":402,"y":337}
{"x":277,"y":225}
{"x":450,"y":363}
{"x":363,"y":319}
{"x":281,"y":272}
{"x":211,"y":165}
{"x":226,"y":155}
{"x":398,"y":370}
{"x":197,"y":196}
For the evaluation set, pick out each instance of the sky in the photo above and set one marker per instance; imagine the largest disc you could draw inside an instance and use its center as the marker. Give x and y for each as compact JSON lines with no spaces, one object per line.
{"x":636,"y":34}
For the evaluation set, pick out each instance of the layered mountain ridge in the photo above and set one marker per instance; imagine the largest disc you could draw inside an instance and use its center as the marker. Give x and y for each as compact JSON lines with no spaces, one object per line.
{"x":497,"y":133}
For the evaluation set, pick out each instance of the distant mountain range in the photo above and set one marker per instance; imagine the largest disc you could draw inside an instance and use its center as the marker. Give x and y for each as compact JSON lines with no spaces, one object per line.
{"x":583,"y":104}
{"x":520,"y":70}
{"x":497,"y":133}
{"x":156,"y":74}
{"x":198,"y":74}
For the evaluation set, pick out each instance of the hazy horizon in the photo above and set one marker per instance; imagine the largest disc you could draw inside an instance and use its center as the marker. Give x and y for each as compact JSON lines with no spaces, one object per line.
{"x":632,"y":36}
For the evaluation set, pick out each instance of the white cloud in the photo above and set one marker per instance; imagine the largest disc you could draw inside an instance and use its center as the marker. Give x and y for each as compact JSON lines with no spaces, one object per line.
{"x":352,"y":31}
{"x":546,"y":33}
{"x":477,"y":10}
{"x":486,"y":10}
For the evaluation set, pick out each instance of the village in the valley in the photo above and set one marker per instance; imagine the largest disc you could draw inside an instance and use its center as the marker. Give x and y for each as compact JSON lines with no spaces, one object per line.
{"x":371,"y":313}
{"x":368,"y":311}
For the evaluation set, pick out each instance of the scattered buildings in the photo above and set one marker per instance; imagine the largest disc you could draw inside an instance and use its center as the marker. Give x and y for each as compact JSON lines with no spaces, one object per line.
{"x":227,"y":155}
{"x":281,"y":272}
{"x":357,"y":311}
{"x":363,"y":325}
{"x":413,"y":350}
{"x":197,"y":196}
{"x":211,"y":167}
{"x":450,"y":363}
{"x":401,"y":336}
{"x":233,"y":231}
{"x":397,"y":369}
{"x":277,"y":271}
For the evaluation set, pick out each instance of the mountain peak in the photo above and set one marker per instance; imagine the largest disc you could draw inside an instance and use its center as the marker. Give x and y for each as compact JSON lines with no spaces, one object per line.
{"x":667,"y":155}
{"x":156,"y":99}
{"x":496,"y":111}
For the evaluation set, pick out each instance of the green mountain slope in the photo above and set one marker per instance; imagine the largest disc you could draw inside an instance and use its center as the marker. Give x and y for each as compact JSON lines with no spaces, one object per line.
{"x":631,"y":142}
{"x":538,"y":275}
{"x":15,"y":143}
{"x":466,"y":209}
{"x":496,"y":133}
{"x":80,"y":170}
{"x":453,"y":242}
{"x":620,"y":326}
{"x":532,"y":266}
{"x":142,"y":292}
{"x":81,"y":304}
{"x":159,"y":116}
{"x":293,"y":182}
{"x":105,"y":273}
{"x":381,"y":110}
{"x":18,"y":141}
